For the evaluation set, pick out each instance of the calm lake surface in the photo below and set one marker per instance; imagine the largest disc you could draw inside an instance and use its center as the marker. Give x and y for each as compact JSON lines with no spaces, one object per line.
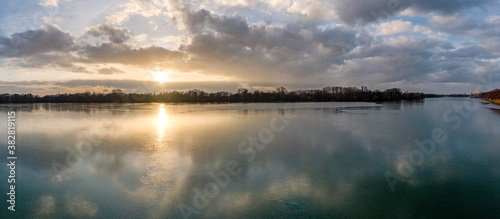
{"x":255,"y":160}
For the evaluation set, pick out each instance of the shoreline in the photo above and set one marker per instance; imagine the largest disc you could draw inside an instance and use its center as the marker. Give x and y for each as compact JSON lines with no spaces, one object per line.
{"x":493,"y":101}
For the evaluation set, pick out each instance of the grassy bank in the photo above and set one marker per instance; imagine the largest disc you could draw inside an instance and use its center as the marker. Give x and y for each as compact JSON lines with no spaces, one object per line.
{"x":495,"y":101}
{"x":491,"y":96}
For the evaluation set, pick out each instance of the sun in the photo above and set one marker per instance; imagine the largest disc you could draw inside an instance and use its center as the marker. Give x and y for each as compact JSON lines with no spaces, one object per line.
{"x":161,"y":77}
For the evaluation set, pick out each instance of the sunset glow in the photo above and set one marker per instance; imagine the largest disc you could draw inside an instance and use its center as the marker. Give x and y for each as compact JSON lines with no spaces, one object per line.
{"x":162,"y":77}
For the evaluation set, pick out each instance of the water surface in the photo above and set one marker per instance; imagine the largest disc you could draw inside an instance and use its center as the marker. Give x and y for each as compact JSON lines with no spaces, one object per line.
{"x":321,"y":160}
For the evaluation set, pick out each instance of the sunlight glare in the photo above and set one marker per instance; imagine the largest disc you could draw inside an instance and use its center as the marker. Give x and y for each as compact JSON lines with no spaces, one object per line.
{"x":162,"y":123}
{"x":161,"y":77}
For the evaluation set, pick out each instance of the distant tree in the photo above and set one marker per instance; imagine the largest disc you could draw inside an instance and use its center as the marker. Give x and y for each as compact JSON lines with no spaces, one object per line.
{"x":243,"y":94}
{"x":281,"y":90}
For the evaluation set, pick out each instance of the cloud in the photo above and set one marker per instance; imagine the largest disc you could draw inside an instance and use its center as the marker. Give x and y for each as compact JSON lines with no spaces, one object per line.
{"x":202,"y":21}
{"x":58,"y":61}
{"x":144,"y":8}
{"x":79,"y":69}
{"x":114,"y":34}
{"x":349,"y":12}
{"x":449,"y":7}
{"x":98,"y":85}
{"x":149,"y":86}
{"x":364,"y":12}
{"x":24,"y":83}
{"x":51,"y":47}
{"x":353,"y":11}
{"x":141,"y":37}
{"x":313,"y":10}
{"x":398,"y":59}
{"x":110,"y":71}
{"x":483,"y":35}
{"x":126,"y":55}
{"x":476,"y":51}
{"x":465,"y":71}
{"x":48,"y":38}
{"x":453,"y":24}
{"x":395,"y":27}
{"x":228,"y":44}
{"x":406,"y":28}
{"x":49,"y":3}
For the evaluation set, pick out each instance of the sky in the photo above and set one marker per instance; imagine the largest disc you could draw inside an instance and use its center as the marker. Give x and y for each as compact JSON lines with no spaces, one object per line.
{"x":66,"y":46}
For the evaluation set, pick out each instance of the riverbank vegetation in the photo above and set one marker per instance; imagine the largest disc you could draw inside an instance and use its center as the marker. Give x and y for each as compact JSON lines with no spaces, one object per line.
{"x":491,"y":96}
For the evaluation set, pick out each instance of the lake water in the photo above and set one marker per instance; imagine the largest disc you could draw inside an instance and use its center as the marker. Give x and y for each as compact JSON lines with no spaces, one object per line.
{"x":255,"y":160}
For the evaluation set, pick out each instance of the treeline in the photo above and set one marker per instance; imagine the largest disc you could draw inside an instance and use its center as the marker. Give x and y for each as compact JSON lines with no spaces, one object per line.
{"x":445,"y":95}
{"x":281,"y":94}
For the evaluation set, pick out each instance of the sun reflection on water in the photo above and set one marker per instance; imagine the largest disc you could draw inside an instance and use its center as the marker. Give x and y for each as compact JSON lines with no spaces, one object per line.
{"x":162,"y":122}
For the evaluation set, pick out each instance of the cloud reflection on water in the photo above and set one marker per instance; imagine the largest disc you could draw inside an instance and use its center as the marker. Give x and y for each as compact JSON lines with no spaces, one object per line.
{"x":329,"y":161}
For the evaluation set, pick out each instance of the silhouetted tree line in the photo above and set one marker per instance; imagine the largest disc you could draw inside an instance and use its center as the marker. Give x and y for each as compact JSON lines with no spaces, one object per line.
{"x":494,"y":94}
{"x":445,"y":95}
{"x":281,"y":94}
